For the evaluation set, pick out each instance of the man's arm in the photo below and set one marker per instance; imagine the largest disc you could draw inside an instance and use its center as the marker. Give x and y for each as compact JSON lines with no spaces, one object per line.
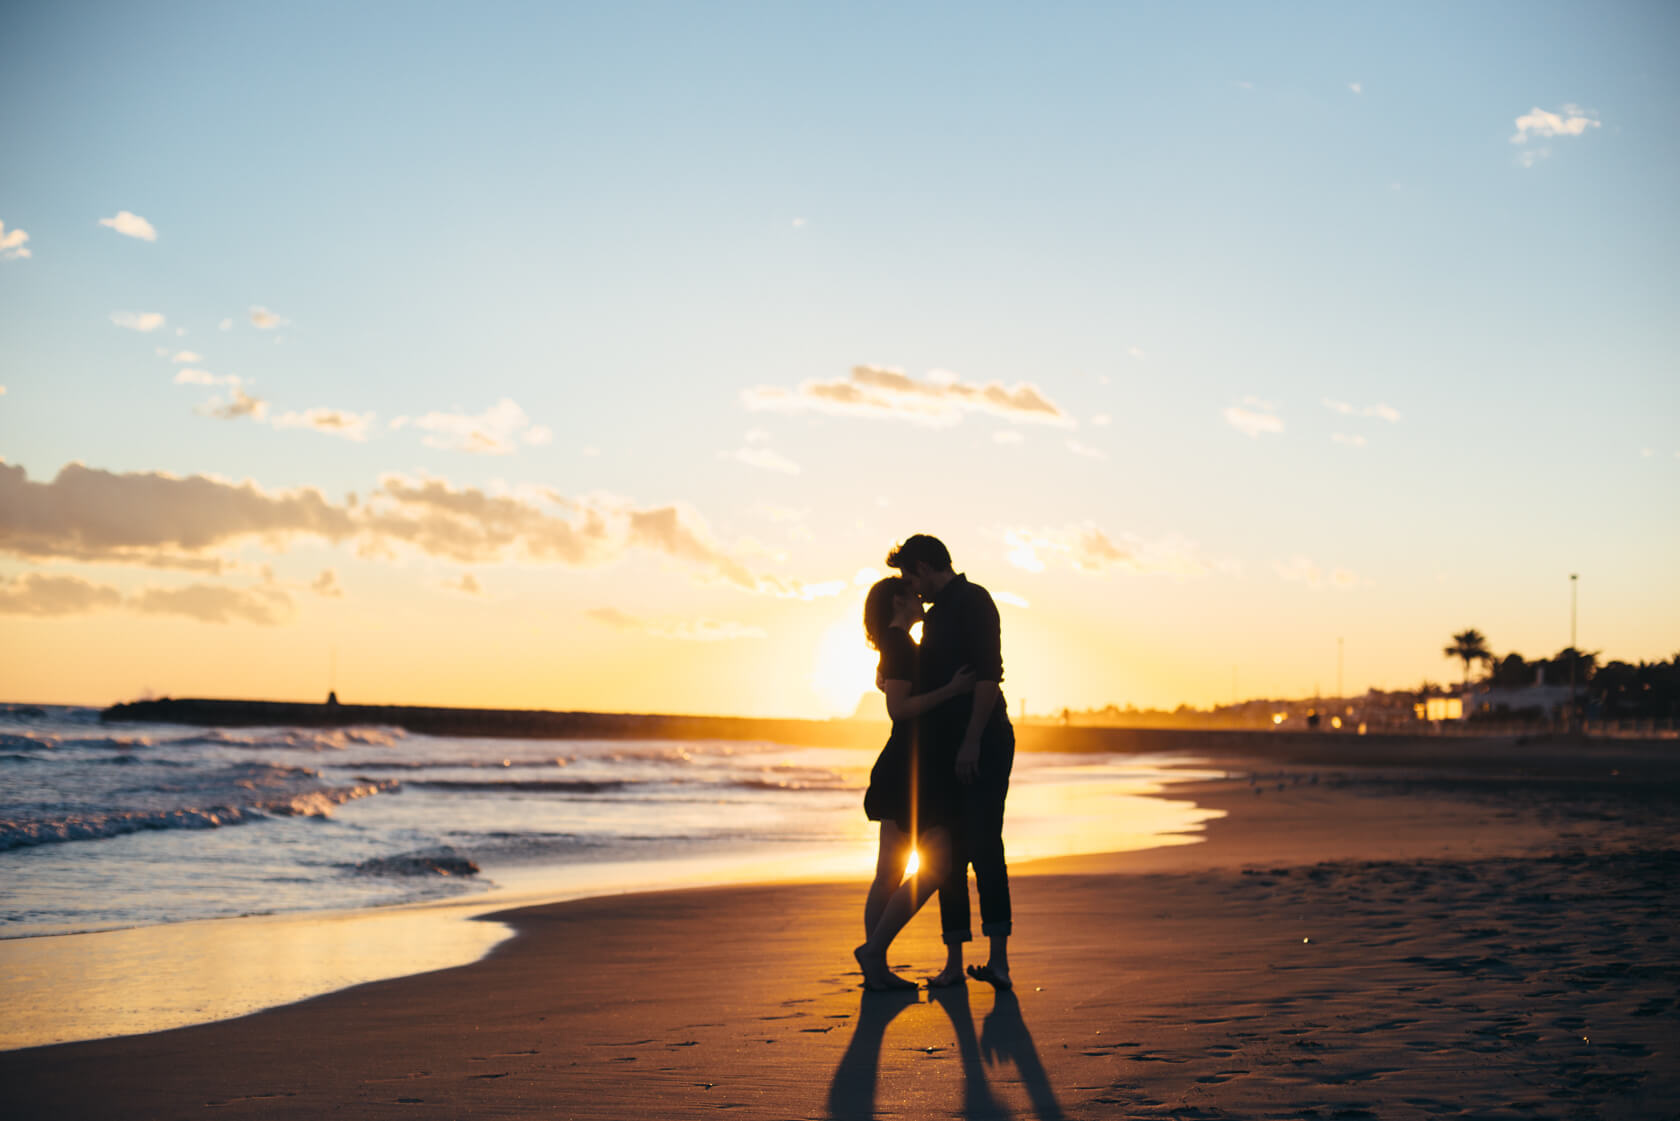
{"x":986,"y":695}
{"x":983,"y":643}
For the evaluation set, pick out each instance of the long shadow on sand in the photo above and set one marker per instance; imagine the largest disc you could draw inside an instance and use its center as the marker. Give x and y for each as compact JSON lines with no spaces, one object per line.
{"x":851,"y":1096}
{"x":1002,"y":1036}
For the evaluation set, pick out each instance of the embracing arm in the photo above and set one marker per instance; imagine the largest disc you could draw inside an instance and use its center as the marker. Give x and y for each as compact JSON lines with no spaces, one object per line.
{"x":902,"y":706}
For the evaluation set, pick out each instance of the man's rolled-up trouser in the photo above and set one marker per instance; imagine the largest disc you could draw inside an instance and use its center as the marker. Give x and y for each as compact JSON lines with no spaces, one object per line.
{"x":977,"y":839}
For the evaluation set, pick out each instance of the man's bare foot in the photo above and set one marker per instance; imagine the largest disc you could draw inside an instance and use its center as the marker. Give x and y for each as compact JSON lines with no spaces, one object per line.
{"x":996,"y":976}
{"x":945,"y":978}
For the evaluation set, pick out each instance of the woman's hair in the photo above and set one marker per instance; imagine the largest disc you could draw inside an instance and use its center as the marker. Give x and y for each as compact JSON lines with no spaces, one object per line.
{"x":878,"y":607}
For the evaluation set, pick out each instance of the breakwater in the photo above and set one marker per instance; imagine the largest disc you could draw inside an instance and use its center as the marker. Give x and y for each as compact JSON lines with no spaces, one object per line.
{"x":547,"y":724}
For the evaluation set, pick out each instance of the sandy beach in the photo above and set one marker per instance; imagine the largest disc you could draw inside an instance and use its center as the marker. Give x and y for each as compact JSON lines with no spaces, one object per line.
{"x":1444,"y":929}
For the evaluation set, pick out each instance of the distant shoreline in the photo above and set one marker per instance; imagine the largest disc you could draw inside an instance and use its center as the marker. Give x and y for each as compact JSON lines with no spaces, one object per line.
{"x":1291,"y":746}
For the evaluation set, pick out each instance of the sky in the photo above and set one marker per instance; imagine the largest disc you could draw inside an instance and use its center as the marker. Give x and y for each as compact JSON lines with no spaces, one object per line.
{"x":594,"y":356}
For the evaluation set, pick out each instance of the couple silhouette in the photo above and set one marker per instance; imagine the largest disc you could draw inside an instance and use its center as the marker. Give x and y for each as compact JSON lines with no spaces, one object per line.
{"x":939,"y":785}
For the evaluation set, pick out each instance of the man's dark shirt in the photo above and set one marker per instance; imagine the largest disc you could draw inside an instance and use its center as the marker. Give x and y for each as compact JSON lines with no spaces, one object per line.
{"x":961,"y":629}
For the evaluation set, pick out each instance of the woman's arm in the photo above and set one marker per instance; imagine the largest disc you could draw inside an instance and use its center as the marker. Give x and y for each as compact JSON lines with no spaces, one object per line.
{"x":902,"y":706}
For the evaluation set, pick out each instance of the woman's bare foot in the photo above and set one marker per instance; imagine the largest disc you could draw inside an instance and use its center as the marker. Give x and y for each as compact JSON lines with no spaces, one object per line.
{"x":877,"y":978}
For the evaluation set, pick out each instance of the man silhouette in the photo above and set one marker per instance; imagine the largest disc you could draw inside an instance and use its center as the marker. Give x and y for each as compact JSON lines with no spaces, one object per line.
{"x":973,"y":733}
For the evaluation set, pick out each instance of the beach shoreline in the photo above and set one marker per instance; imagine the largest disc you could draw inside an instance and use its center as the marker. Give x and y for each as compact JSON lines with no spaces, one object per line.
{"x":1412,"y":936}
{"x":137,"y":978}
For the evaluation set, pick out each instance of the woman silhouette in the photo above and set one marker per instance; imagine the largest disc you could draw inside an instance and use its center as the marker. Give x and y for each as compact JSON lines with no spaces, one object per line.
{"x":913,"y":798}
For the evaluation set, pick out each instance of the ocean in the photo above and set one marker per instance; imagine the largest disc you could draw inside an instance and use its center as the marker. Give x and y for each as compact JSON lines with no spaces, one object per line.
{"x":109,"y":827}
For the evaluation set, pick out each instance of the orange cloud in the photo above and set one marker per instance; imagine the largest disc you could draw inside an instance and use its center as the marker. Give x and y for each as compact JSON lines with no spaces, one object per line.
{"x":701,"y":630}
{"x":940,"y":399}
{"x":215,"y":603}
{"x":1089,"y":549}
{"x":151,"y":518}
{"x":37,"y":593}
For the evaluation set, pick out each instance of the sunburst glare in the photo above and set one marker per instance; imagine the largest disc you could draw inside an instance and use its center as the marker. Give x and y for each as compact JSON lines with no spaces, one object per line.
{"x":844,"y":669}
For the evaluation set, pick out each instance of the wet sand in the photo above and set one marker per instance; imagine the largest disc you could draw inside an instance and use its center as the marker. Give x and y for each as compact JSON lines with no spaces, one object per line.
{"x":1444,"y":930}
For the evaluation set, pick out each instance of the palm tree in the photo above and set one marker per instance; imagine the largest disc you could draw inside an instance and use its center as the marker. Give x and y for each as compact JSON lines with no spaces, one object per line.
{"x":1469,"y":646}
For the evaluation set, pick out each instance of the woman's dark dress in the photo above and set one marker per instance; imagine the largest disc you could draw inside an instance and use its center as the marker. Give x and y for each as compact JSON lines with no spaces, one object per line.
{"x":902,"y":763}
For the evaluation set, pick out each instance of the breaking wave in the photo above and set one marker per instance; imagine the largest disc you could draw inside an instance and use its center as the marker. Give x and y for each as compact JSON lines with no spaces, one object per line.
{"x":432,"y":862}
{"x":84,"y":826}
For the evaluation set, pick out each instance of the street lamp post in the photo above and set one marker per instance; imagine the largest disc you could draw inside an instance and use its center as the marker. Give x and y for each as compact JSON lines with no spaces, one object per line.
{"x":1574,"y":653}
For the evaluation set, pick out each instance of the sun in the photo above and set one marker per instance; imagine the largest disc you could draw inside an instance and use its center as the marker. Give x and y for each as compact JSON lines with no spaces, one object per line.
{"x":844,"y":669}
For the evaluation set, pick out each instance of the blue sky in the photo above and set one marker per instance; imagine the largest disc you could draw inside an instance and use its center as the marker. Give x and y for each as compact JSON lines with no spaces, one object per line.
{"x":1336,"y":343}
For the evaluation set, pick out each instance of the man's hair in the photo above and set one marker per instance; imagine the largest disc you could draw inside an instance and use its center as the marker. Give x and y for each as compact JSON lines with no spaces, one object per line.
{"x":920,"y":549}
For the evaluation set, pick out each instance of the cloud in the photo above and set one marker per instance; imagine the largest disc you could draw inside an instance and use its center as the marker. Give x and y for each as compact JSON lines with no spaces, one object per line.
{"x":1381,"y":410}
{"x":498,"y":430}
{"x":186,"y":356}
{"x":1011,"y":599}
{"x":225,"y":325}
{"x":1089,"y":549}
{"x":613,"y":617}
{"x":1007,"y":436}
{"x":1101,"y":420}
{"x":37,"y":593}
{"x":702,"y":630}
{"x":1085,"y":450}
{"x":215,"y":603}
{"x":90,"y":515}
{"x":764,"y":459}
{"x":1253,"y":417}
{"x":191,"y":376}
{"x":1356,"y":87}
{"x":468,"y":583}
{"x":939,"y":399}
{"x":1573,"y":121}
{"x":47,"y":595}
{"x":469,"y":526}
{"x":130,"y":225}
{"x":1300,"y":569}
{"x":332,"y":422}
{"x":1348,"y":441}
{"x":152,"y":518}
{"x":239,"y":404}
{"x":138,"y":320}
{"x":11,"y":244}
{"x":327,"y":584}
{"x":1136,"y":352}
{"x":264,"y":320}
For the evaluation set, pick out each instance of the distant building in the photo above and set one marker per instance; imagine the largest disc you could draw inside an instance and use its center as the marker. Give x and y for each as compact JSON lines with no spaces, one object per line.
{"x":1529,"y":700}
